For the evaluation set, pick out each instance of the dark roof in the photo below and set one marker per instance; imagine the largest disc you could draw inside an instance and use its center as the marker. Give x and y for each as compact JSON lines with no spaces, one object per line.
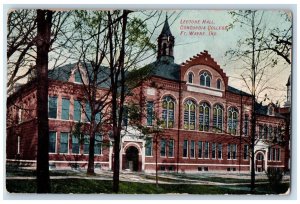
{"x":263,"y":110}
{"x":63,"y":73}
{"x":165,"y":68}
{"x":166,"y":29}
{"x":237,"y":91}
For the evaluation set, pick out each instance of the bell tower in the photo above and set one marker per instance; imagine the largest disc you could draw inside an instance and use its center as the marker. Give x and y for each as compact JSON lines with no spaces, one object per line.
{"x":165,"y":43}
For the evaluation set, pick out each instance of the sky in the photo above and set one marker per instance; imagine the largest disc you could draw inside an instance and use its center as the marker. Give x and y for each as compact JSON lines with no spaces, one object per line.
{"x":188,"y":45}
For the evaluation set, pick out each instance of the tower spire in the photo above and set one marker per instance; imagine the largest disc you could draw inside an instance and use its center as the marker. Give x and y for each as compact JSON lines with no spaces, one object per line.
{"x":165,"y":42}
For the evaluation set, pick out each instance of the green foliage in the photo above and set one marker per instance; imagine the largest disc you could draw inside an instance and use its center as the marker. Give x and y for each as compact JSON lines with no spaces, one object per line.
{"x":275,"y":176}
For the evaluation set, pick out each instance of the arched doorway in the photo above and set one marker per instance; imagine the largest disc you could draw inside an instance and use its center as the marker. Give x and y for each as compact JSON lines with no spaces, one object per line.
{"x":132,"y":159}
{"x":260,"y":162}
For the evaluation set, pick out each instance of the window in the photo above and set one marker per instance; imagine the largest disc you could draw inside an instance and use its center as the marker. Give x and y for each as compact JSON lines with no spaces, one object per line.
{"x":219,"y":84}
{"x":65,"y":109}
{"x":168,"y":106}
{"x":86,"y":144}
{"x":192,"y":149}
{"x":52,"y":107}
{"x":98,"y":143}
{"x":200,"y":149}
{"x":77,"y":77}
{"x":246,"y":150}
{"x":88,"y":112}
{"x":20,"y":113}
{"x":149,"y":113}
{"x":52,"y":142}
{"x":185,"y":148}
{"x":77,"y":110}
{"x":64,"y":142}
{"x":270,"y":132}
{"x":259,"y":157}
{"x":206,"y":150}
{"x":213,"y":150}
{"x":218,"y":118}
{"x":270,"y":110}
{"x":75,"y":145}
{"x":269,"y":153}
{"x":171,"y":148}
{"x":189,"y":115}
{"x":273,"y":154}
{"x":204,"y":113}
{"x":148,"y":147}
{"x":219,"y":151}
{"x":260,"y":131}
{"x":19,"y":145}
{"x":163,"y":148}
{"x":265,"y":132}
{"x":231,"y":151}
{"x":278,"y":154}
{"x":98,"y":109}
{"x":125,"y":116}
{"x":205,"y":79}
{"x":232,"y":121}
{"x":246,"y":125}
{"x":191,"y":77}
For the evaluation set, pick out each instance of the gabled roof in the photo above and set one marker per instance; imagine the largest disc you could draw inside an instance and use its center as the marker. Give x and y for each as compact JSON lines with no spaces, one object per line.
{"x":263,"y":110}
{"x":237,"y":91}
{"x":63,"y":73}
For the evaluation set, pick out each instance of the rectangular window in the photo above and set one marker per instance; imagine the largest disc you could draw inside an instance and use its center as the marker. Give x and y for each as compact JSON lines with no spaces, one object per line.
{"x":75,"y":145}
{"x":229,"y":151}
{"x":125,"y":116}
{"x":273,"y":154}
{"x":246,"y":125}
{"x":278,"y":154}
{"x":149,"y":143}
{"x":185,"y":148}
{"x":234,"y":151}
{"x":88,"y":112}
{"x":77,"y":111}
{"x":260,"y":131}
{"x":200,"y":149}
{"x":65,"y":109}
{"x":86,"y":145}
{"x":52,"y":142}
{"x":206,"y":150}
{"x":171,"y":148}
{"x":192,"y":149}
{"x":269,"y":153}
{"x":64,"y":142}
{"x":163,"y":148}
{"x":213,"y":150}
{"x":98,"y":144}
{"x":52,"y":107}
{"x":246,"y":150}
{"x":149,"y":113}
{"x":219,"y":151}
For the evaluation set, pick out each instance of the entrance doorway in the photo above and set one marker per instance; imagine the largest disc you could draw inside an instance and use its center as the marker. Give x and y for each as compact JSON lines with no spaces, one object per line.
{"x":132,"y":159}
{"x":260,"y":162}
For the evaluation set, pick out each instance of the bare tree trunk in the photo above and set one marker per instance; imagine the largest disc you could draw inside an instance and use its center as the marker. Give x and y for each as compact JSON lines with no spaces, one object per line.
{"x":44,"y":22}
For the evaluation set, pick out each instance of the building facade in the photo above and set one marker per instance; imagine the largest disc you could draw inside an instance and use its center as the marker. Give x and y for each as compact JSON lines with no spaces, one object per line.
{"x":204,"y":124}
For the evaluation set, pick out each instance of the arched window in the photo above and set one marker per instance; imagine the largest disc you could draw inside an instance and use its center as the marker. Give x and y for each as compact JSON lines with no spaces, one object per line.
{"x":168,"y":105}
{"x":204,"y":116}
{"x":218,"y":118}
{"x":232,"y":121}
{"x":189,"y":115}
{"x":205,"y":79}
{"x":164,"y":49}
{"x":271,"y":110}
{"x":191,"y":77}
{"x":219,"y":84}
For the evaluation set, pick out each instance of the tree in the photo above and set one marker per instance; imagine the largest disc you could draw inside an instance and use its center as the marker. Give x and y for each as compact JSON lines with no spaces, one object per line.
{"x":255,"y":62}
{"x":44,"y":23}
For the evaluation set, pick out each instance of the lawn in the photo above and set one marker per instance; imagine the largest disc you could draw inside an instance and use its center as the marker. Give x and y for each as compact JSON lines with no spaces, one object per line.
{"x":87,"y":186}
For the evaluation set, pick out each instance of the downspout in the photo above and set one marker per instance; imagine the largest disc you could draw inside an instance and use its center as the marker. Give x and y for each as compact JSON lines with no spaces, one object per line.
{"x":241,"y":131}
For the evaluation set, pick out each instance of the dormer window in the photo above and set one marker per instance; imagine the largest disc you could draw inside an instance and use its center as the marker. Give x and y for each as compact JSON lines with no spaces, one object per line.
{"x":219,"y":84}
{"x":191,"y":77}
{"x":77,"y":77}
{"x":205,"y":79}
{"x":270,"y":110}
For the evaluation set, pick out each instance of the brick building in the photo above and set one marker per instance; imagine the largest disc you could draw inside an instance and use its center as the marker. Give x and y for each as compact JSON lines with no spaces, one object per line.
{"x":205,"y":123}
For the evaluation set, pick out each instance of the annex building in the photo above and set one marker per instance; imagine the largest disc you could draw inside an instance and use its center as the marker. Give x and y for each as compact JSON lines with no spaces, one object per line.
{"x":206,"y":124}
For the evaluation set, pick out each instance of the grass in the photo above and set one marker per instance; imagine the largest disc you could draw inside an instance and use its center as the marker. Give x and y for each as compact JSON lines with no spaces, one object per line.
{"x":88,"y":186}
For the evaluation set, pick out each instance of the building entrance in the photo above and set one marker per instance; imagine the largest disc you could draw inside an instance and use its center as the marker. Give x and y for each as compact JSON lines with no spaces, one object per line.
{"x":132,"y":159}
